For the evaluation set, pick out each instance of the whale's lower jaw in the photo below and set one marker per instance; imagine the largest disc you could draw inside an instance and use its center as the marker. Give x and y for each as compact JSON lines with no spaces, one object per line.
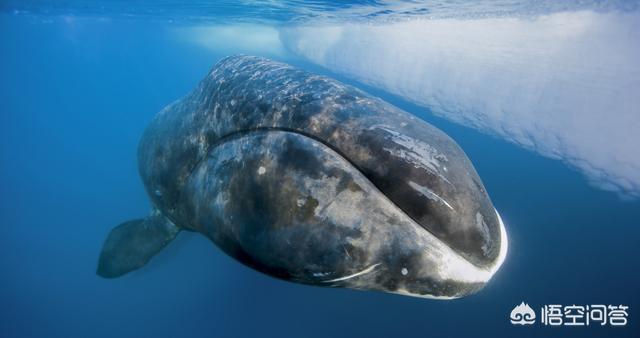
{"x":473,"y":287}
{"x":291,"y":207}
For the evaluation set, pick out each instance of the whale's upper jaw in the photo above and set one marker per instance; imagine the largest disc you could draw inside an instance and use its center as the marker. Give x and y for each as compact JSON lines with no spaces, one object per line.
{"x":426,"y":174}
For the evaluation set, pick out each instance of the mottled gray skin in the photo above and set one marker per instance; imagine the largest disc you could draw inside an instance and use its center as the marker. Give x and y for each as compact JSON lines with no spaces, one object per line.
{"x":313,"y":181}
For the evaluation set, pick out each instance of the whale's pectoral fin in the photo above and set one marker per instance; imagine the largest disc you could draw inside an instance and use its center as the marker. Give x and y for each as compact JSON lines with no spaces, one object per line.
{"x":131,"y":244}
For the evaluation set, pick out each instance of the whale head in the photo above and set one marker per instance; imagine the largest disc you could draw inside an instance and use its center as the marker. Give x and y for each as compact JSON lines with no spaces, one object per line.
{"x":313,"y":181}
{"x":426,"y":175}
{"x":294,"y":208}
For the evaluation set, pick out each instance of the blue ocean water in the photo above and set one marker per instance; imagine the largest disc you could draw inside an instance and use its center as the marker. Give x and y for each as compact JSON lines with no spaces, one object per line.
{"x":78,"y":86}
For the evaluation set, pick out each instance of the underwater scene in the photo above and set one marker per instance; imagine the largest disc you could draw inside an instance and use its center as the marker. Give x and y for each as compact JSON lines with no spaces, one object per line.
{"x":319,"y":168}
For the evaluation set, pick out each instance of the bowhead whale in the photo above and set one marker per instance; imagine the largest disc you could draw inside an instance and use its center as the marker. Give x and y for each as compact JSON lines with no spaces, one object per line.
{"x":312,"y":181}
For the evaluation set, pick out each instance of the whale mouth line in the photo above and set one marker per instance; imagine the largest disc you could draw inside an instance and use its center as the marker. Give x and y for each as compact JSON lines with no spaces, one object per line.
{"x":245,"y":132}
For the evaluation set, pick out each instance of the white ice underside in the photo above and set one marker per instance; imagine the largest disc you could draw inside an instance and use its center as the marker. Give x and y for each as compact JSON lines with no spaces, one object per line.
{"x":565,"y":84}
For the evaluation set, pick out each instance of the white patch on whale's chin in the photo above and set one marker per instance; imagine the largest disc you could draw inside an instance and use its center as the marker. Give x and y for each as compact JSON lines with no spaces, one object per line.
{"x":467,"y":272}
{"x":563,"y":84}
{"x":463,"y":271}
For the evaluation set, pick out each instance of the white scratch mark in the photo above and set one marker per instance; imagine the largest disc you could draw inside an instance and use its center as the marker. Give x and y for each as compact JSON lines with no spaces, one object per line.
{"x":414,"y":151}
{"x":429,"y":194}
{"x":360,"y":273}
{"x":346,"y":252}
